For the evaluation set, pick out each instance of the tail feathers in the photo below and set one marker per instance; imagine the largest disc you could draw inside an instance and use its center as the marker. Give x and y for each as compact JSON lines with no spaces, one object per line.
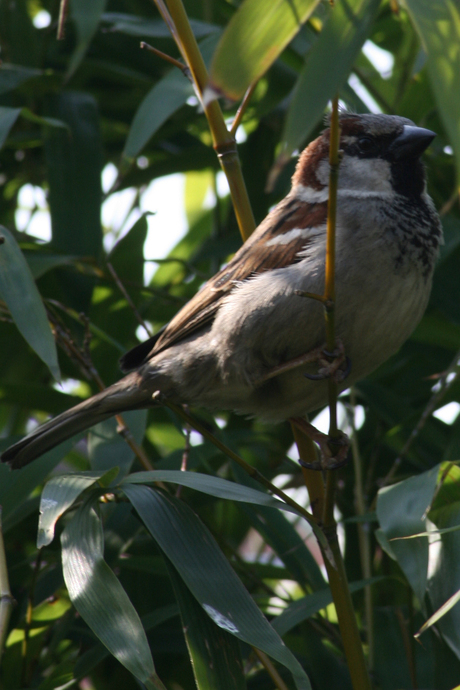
{"x":122,"y":396}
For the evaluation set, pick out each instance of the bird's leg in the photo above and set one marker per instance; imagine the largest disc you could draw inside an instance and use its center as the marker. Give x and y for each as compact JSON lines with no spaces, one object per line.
{"x":330,"y":365}
{"x":327,"y":445}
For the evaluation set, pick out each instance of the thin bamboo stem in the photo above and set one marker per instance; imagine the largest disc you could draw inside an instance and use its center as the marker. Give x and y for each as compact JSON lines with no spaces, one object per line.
{"x":6,"y":598}
{"x":363,"y":535}
{"x":223,"y":141}
{"x":329,"y":290}
{"x":335,"y":566}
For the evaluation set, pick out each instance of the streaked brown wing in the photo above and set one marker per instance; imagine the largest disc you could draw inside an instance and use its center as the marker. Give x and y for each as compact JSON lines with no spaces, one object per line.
{"x":264,"y":250}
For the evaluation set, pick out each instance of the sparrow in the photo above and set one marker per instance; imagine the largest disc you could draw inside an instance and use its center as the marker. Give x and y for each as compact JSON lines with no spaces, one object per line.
{"x":247,"y":339}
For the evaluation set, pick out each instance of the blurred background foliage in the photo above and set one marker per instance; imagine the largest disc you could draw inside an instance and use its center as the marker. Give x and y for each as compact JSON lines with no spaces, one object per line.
{"x":88,"y":126}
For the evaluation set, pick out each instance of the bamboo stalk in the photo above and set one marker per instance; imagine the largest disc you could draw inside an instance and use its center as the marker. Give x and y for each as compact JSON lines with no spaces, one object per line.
{"x":223,"y":141}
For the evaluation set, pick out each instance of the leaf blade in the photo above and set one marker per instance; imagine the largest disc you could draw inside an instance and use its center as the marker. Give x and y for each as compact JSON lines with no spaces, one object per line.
{"x":254,"y":38}
{"x":18,"y":290}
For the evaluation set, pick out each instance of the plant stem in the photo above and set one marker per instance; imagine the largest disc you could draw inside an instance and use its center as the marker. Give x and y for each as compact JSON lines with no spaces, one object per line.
{"x":334,"y":565}
{"x":363,"y":533}
{"x":6,"y":598}
{"x":223,"y":141}
{"x":329,"y":290}
{"x":345,"y":613}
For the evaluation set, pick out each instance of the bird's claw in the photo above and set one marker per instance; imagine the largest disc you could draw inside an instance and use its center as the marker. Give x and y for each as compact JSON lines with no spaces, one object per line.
{"x":333,"y":451}
{"x":334,"y":364}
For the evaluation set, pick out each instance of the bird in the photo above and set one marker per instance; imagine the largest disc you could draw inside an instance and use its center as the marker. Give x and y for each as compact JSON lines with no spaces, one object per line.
{"x":248,"y":341}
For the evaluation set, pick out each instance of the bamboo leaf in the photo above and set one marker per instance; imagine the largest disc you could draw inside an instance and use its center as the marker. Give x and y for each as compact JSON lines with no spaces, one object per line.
{"x":8,"y":117}
{"x":214,"y":653}
{"x":438,"y":25}
{"x":332,"y":56}
{"x":256,"y":35}
{"x":206,"y":572}
{"x":60,"y":493}
{"x":18,"y":290}
{"x":214,"y":486}
{"x":100,"y":599}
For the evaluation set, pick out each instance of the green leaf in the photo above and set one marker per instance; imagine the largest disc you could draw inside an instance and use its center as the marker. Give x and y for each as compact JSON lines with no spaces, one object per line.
{"x":87,"y":15}
{"x":46,"y":121}
{"x":143,"y":27}
{"x":206,"y":572}
{"x":214,"y":653}
{"x":160,"y":103}
{"x":74,"y":160}
{"x":40,"y":263}
{"x":12,"y":76}
{"x":254,"y":38}
{"x":438,"y":25}
{"x":214,"y":486}
{"x":437,"y":615}
{"x":8,"y":117}
{"x":16,"y":487}
{"x":108,"y":449}
{"x":167,"y":96}
{"x":18,"y":290}
{"x":88,"y":660}
{"x":100,"y":599}
{"x":304,"y":608}
{"x":59,"y":494}
{"x":401,"y":510}
{"x":332,"y":57}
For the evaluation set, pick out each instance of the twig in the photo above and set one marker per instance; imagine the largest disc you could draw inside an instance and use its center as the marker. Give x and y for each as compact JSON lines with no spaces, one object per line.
{"x":164,"y":56}
{"x":363,"y":530}
{"x":63,"y":11}
{"x":223,"y":141}
{"x":325,"y":498}
{"x":443,"y":386}
{"x":271,"y":670}
{"x":84,"y":361}
{"x":329,"y":291}
{"x":125,"y":294}
{"x":242,"y":109}
{"x":251,"y":471}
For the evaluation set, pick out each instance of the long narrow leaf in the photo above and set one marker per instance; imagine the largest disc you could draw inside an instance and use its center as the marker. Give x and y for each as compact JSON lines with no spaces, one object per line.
{"x":207,"y":484}
{"x":59,"y":494}
{"x":206,"y":572}
{"x":18,"y":290}
{"x":8,"y":117}
{"x":254,"y":38}
{"x":100,"y":599}
{"x":332,"y":57}
{"x":214,"y":653}
{"x":438,"y":25}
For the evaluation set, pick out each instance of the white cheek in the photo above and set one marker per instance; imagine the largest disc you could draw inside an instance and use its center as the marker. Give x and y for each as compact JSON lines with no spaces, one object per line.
{"x":365,"y":175}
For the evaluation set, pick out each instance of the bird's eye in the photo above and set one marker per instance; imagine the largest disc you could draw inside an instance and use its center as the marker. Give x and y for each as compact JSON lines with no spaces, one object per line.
{"x":366,"y":144}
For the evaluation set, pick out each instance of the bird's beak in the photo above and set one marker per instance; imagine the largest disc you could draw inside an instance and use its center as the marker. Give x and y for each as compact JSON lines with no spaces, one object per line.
{"x":412,"y":142}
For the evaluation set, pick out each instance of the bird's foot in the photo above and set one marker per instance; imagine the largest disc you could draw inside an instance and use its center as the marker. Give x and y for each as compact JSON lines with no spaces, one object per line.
{"x":332,"y":364}
{"x":333,"y":451}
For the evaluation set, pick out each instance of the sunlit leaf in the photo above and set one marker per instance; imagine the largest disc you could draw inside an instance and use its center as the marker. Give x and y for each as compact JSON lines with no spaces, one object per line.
{"x":254,"y":38}
{"x":59,"y":494}
{"x":100,"y":599}
{"x":401,"y":510}
{"x":214,"y":653}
